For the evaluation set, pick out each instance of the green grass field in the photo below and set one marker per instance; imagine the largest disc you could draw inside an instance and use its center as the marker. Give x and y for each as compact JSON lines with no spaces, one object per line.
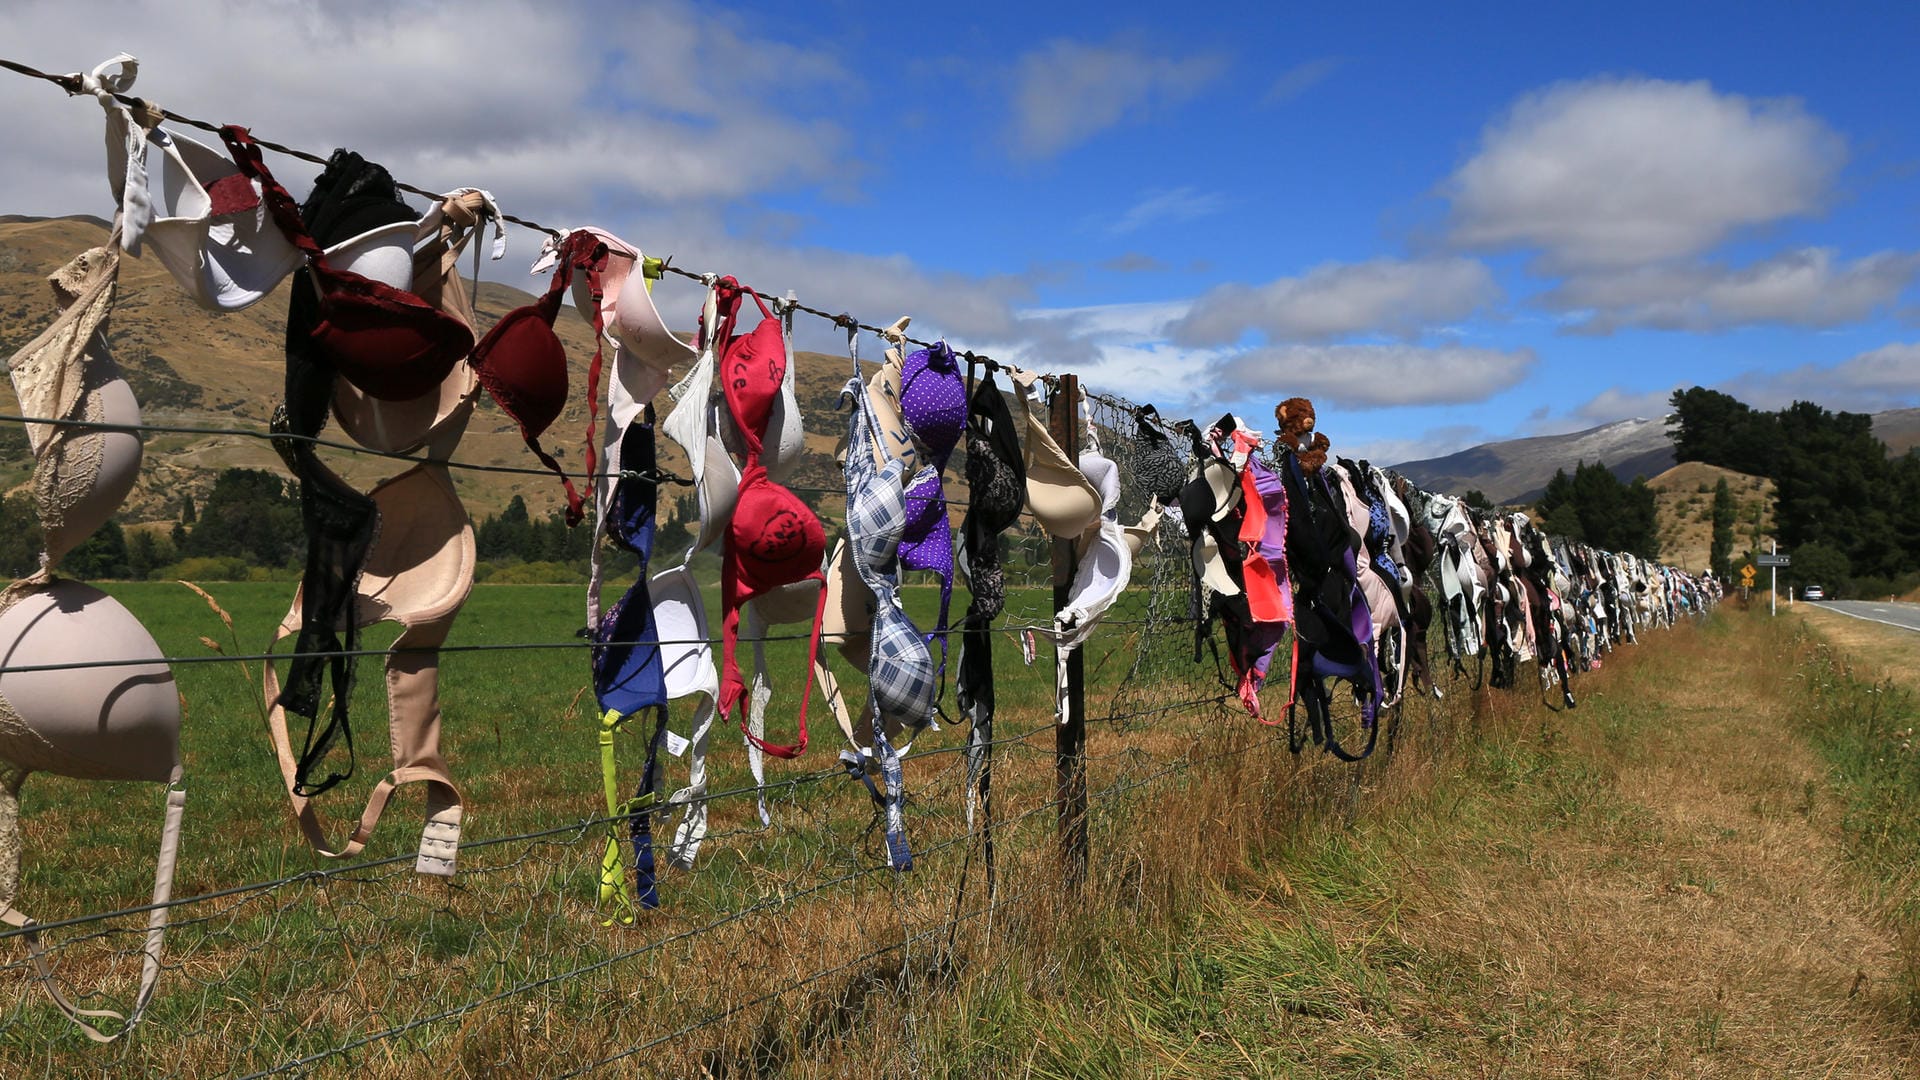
{"x":378,"y":947}
{"x":1482,"y":898}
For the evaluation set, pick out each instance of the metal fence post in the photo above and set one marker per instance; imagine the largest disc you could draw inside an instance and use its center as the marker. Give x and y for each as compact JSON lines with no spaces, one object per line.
{"x":1070,"y":735}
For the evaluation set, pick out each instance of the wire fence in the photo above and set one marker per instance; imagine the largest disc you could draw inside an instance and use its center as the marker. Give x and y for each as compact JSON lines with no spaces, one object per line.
{"x":783,"y":938}
{"x":366,"y":967}
{"x":788,"y":941}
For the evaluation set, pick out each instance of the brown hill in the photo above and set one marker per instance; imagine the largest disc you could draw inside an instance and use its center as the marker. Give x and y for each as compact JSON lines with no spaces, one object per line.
{"x":1517,"y":470}
{"x":1898,"y":428}
{"x":1684,"y":498}
{"x":192,"y":368}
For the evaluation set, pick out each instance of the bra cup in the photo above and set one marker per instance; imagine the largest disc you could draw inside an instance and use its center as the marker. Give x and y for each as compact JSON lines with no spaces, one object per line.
{"x":898,"y":646}
{"x":1141,"y":533}
{"x":994,"y":485}
{"x":632,"y":387}
{"x":1213,"y":568}
{"x":1061,"y":502}
{"x":888,"y":423}
{"x":749,"y":373}
{"x":384,"y":254}
{"x":680,"y":621}
{"x":1104,"y":475}
{"x":1061,"y":499}
{"x":421,"y":567}
{"x":112,"y":723}
{"x":718,"y":494}
{"x":933,"y":398}
{"x":634,"y":322}
{"x":401,"y":427}
{"x":877,"y":519}
{"x":786,"y":441}
{"x":1103,"y":572}
{"x":115,"y":458}
{"x":524,"y":366}
{"x":223,"y":263}
{"x":847,"y":622}
{"x":794,"y":602}
{"x":924,"y":505}
{"x":778,"y":538}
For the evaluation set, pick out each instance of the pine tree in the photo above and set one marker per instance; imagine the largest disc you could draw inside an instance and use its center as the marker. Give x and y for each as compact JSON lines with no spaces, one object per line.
{"x":1724,"y":512}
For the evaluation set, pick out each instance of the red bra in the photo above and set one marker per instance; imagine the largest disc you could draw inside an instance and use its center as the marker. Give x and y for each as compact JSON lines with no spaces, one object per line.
{"x":388,"y":342}
{"x":523,"y":365}
{"x":773,"y":539}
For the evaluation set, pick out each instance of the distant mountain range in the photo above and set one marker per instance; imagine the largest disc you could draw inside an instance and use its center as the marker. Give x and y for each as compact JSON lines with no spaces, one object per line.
{"x":1517,"y":470}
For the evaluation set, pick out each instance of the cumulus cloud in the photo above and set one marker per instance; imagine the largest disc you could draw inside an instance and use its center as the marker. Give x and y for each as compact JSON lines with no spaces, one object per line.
{"x":1169,"y":207}
{"x":1431,"y":443}
{"x":1609,"y":405}
{"x":1618,"y":172}
{"x":1809,"y":287}
{"x":1884,"y":378}
{"x":875,"y":287}
{"x":1118,"y":349}
{"x":1066,"y":92}
{"x":558,"y":120}
{"x":661,"y":134}
{"x":1397,"y":296}
{"x":1376,"y":376}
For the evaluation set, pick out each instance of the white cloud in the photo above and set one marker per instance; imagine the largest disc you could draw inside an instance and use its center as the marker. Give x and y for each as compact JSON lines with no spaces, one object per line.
{"x":1884,"y":378}
{"x":543,"y":108}
{"x":1066,"y":92}
{"x":1617,"y":172}
{"x":1375,"y":376}
{"x":1301,"y":78}
{"x":1119,"y":349}
{"x":1810,"y":287}
{"x":1432,"y":443}
{"x":874,"y":287}
{"x":1396,"y":296}
{"x":1172,"y":207}
{"x":1609,"y":405}
{"x":660,"y":133}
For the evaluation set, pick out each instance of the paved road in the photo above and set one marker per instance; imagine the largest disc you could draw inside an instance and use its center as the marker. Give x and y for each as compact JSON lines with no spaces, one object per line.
{"x":1893,"y":613}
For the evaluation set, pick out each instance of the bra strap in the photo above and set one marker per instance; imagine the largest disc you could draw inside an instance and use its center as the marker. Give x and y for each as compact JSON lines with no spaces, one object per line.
{"x":732,"y":686}
{"x":156,"y":924}
{"x":286,"y":214}
{"x":408,"y":675}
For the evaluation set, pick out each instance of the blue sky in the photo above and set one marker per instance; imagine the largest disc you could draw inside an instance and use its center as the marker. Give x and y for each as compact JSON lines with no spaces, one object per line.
{"x":1443,"y":227}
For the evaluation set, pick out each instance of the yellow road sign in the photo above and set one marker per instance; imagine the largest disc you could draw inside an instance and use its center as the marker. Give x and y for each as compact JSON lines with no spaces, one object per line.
{"x":1746,"y":576}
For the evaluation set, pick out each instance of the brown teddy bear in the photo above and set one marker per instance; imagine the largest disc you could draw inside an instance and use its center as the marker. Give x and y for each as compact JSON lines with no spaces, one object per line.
{"x":1295,"y":416}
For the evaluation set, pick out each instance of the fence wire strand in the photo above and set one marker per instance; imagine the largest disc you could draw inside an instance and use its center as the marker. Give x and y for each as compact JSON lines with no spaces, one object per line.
{"x":283,"y":964}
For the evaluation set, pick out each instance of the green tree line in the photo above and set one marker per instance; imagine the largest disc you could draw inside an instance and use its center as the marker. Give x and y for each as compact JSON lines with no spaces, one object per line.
{"x":1847,"y":513}
{"x":1594,"y":506}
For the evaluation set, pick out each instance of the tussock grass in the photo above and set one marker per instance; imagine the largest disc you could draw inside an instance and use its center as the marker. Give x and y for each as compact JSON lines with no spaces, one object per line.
{"x":1665,"y":881}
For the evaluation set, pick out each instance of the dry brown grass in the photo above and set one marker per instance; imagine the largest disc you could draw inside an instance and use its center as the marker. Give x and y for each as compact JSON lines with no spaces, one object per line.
{"x":1686,"y":513}
{"x":1884,"y":652}
{"x":1690,"y":917}
{"x":1648,"y":885}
